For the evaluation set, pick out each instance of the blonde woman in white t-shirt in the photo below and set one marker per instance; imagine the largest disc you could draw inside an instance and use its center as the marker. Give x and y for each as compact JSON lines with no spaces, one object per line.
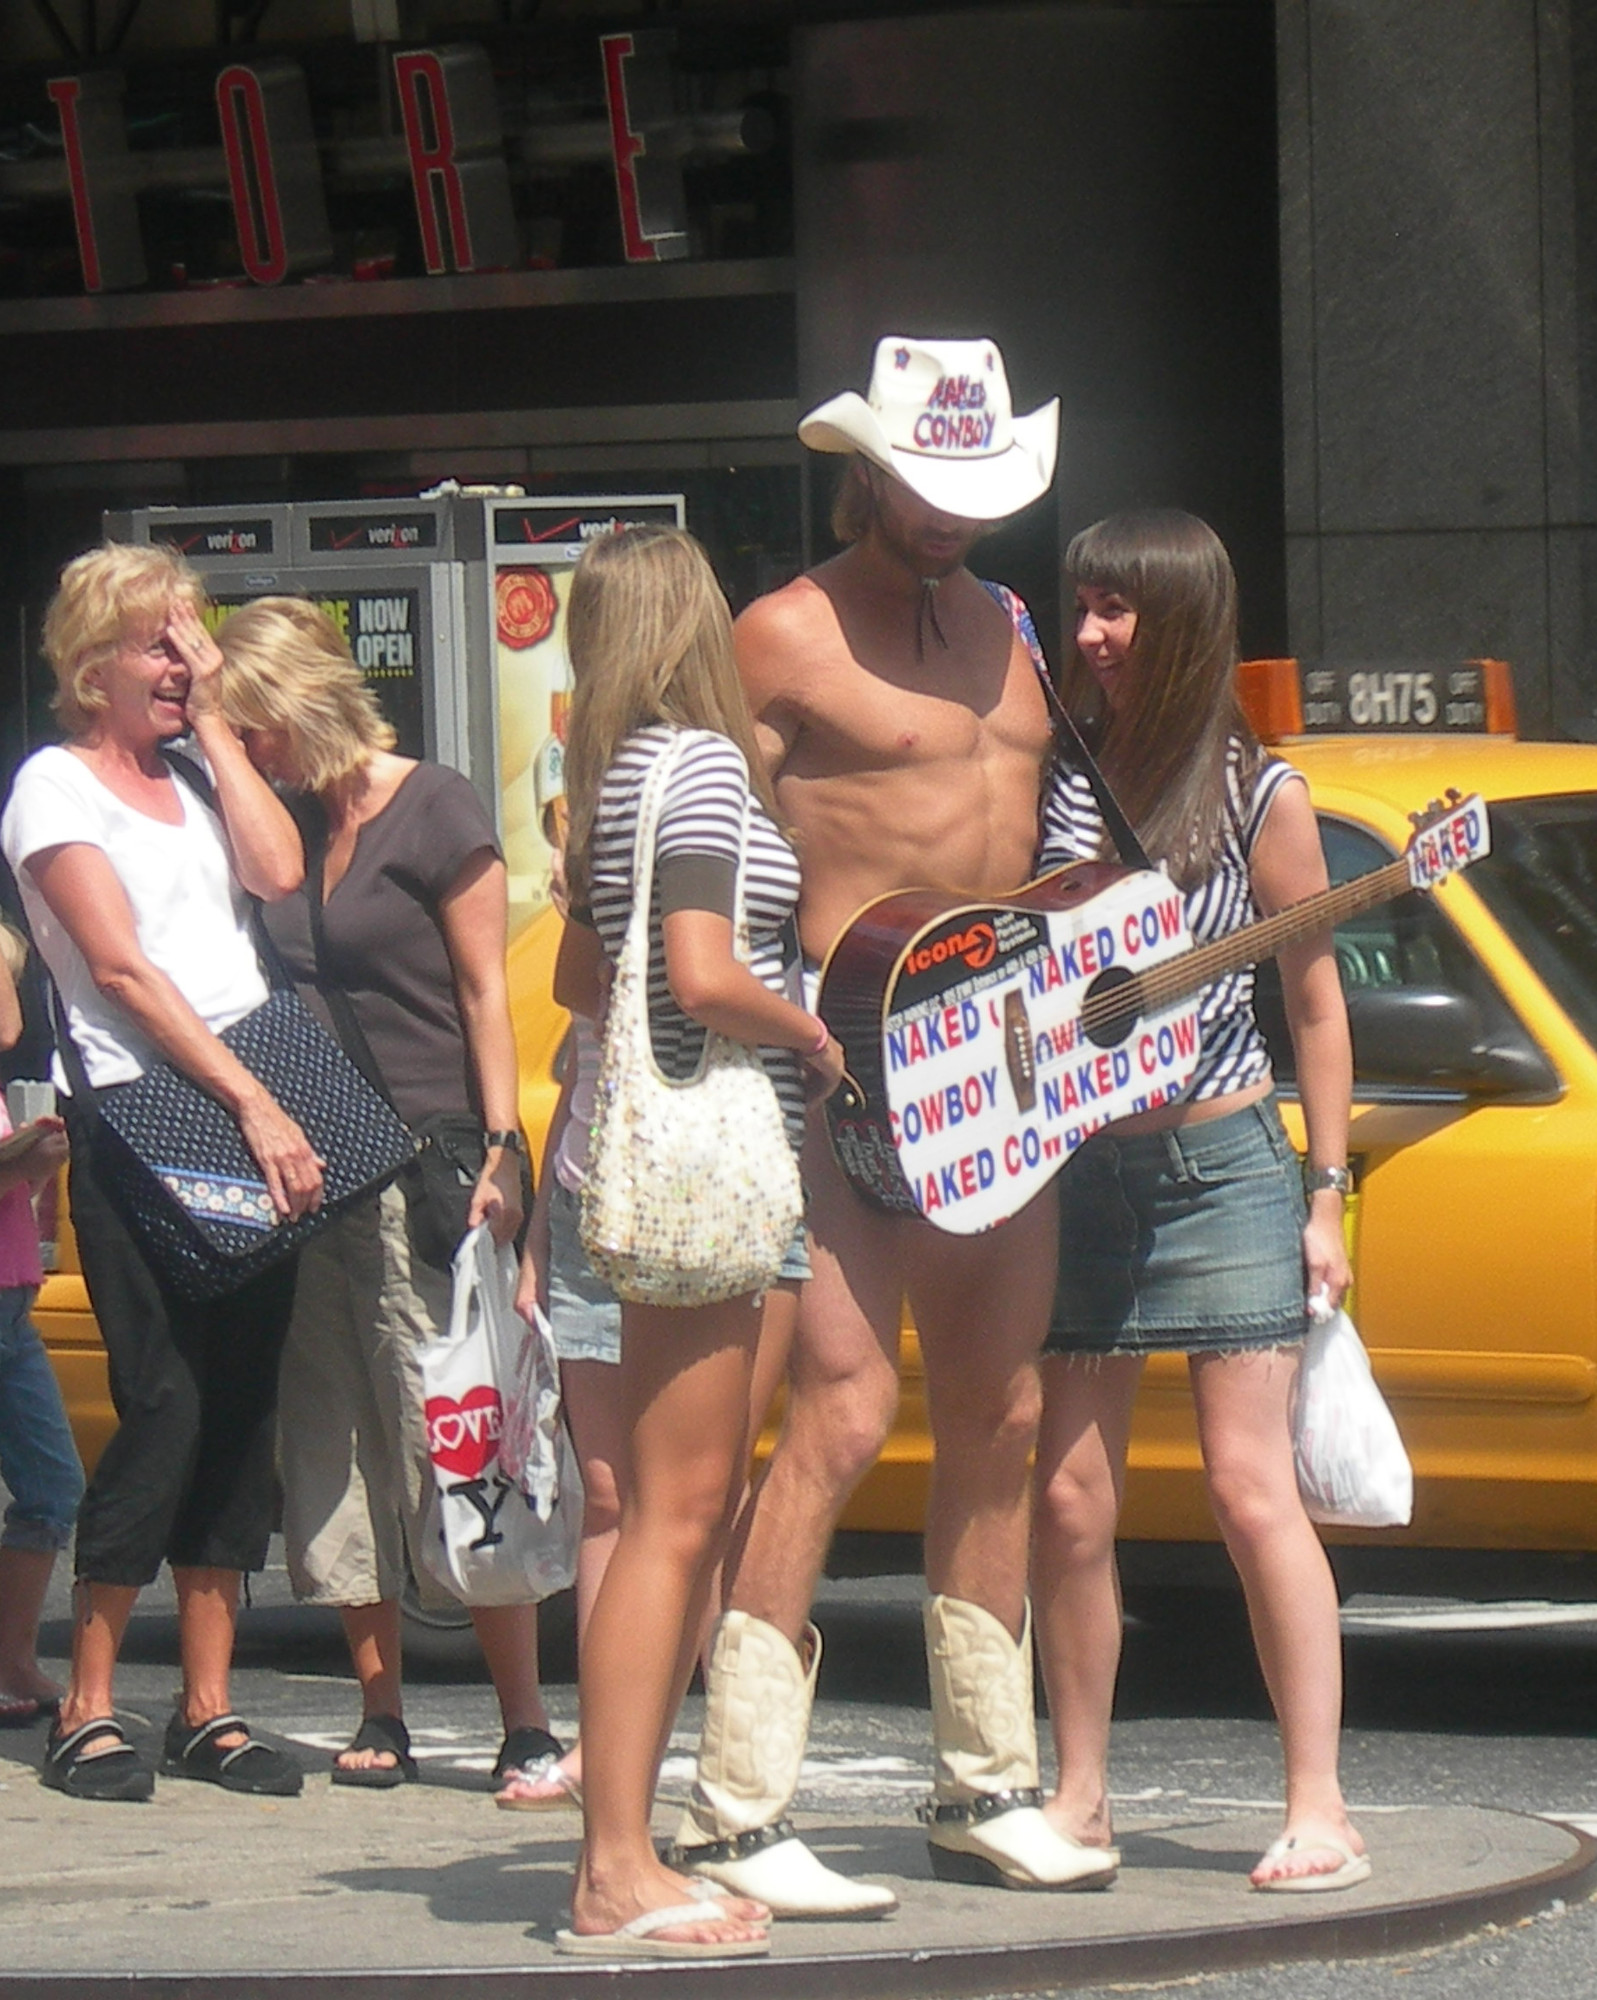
{"x":136,"y":894}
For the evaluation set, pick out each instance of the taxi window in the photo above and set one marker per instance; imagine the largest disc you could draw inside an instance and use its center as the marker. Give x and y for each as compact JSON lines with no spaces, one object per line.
{"x":1540,"y":882}
{"x":1407,"y":943}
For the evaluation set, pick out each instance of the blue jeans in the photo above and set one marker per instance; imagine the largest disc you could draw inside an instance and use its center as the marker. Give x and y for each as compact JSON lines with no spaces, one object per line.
{"x":38,"y":1459}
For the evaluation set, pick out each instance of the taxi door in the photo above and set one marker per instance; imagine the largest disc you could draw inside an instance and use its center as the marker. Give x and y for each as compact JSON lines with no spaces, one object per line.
{"x":1475,"y":1223}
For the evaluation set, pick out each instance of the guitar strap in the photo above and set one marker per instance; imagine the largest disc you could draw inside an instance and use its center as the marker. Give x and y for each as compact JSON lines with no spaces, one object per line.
{"x":1068,"y":745}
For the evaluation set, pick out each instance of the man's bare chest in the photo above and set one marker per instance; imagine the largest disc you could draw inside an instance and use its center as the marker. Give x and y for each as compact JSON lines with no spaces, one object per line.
{"x":855,"y":717}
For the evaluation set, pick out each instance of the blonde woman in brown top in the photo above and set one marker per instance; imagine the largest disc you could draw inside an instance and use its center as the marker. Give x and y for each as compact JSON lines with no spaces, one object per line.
{"x":413,"y":915}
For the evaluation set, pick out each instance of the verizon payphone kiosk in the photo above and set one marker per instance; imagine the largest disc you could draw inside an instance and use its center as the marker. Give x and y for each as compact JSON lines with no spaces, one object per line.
{"x":454,"y":608}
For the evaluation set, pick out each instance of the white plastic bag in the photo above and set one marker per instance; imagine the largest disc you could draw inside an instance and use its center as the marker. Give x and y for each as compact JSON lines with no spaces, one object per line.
{"x":1352,"y":1469}
{"x":506,"y":1514}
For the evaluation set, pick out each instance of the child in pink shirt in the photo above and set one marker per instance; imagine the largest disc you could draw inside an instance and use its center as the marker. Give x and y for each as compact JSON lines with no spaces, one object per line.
{"x":38,"y":1460}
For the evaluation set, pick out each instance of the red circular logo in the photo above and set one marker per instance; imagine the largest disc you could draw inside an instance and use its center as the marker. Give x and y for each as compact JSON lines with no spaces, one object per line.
{"x":525,"y":602}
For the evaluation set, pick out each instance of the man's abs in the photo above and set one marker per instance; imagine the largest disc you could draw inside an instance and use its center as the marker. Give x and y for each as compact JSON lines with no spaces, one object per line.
{"x":967,"y":825}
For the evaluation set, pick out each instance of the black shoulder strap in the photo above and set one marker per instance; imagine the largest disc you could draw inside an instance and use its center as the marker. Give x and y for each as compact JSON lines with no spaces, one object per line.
{"x":79,"y":1087}
{"x":193,"y":774}
{"x":1067,"y":737}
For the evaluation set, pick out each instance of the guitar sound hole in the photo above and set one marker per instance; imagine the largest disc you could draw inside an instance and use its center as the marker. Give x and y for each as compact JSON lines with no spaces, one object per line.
{"x":1108,"y":1012}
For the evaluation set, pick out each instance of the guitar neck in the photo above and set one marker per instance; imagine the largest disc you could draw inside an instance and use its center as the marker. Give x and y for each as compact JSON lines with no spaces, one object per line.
{"x":1163,"y":985}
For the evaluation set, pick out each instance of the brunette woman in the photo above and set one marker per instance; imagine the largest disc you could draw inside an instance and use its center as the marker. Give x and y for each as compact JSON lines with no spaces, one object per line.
{"x":1186,"y":1228}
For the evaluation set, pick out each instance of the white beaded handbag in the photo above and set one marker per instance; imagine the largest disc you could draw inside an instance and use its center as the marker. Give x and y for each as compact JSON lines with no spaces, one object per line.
{"x":692,"y":1192}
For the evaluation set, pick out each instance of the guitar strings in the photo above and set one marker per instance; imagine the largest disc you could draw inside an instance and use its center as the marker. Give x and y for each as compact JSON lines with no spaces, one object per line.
{"x":1162,"y":984}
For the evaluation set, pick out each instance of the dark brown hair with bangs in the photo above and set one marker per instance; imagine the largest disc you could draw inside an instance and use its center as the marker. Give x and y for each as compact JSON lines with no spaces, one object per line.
{"x":1165,"y":751}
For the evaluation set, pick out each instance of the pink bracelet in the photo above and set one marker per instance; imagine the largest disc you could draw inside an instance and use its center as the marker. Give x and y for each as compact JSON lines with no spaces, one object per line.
{"x":820,"y":1047}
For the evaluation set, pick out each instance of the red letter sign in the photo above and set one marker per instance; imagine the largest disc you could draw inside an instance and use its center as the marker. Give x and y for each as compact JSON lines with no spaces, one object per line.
{"x":273,"y":170}
{"x":451,"y":116}
{"x":250,"y":176}
{"x":101,"y":175}
{"x":649,"y":190}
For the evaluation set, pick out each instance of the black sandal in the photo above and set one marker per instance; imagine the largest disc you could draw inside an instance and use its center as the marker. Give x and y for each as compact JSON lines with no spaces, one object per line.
{"x":117,"y":1773}
{"x":378,"y":1732}
{"x":250,"y":1766}
{"x":522,"y":1747}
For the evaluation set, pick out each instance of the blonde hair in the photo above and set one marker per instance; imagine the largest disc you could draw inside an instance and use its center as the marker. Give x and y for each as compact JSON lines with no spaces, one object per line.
{"x":1166,"y":750}
{"x":13,"y":951}
{"x":105,"y":598}
{"x":650,"y":639}
{"x":285,"y":666}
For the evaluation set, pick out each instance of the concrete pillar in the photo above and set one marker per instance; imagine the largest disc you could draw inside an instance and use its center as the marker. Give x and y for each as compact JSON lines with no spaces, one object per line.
{"x":1437,"y":283}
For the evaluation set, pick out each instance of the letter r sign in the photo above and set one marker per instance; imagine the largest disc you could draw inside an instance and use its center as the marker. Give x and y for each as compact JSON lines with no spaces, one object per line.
{"x":457,"y":161}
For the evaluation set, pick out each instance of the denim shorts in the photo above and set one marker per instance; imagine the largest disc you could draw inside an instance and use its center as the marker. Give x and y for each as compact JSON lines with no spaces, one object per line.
{"x":583,"y":1311}
{"x":1189,"y":1240}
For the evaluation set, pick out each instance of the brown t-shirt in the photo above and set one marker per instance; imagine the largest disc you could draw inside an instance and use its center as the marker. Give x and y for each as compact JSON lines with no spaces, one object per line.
{"x":385,"y":946}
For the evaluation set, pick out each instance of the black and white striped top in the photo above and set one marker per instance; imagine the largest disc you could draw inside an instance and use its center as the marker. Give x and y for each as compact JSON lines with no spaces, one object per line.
{"x":1232,"y":1055}
{"x":701,"y":818}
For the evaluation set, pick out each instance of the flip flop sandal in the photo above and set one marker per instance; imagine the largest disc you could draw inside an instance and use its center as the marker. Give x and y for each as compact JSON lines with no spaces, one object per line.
{"x":1355,"y":1867}
{"x":746,"y":1909}
{"x":640,"y":1939}
{"x":71,"y":1766}
{"x":378,"y":1732}
{"x":561,"y":1791}
{"x":251,"y":1766}
{"x":522,"y":1749}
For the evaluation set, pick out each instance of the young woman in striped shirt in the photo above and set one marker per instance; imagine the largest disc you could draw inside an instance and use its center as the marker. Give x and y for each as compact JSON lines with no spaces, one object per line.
{"x":651,"y":651}
{"x":1185,"y":1228}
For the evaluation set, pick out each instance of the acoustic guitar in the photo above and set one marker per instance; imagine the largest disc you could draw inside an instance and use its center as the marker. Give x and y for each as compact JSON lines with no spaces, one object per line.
{"x":987,"y":1041}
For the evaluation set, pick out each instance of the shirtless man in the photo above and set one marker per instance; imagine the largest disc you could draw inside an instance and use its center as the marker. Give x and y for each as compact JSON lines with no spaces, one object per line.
{"x":906,"y":732}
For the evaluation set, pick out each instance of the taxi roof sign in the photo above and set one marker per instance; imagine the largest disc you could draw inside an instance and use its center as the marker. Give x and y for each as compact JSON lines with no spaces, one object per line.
{"x":1287,"y":698}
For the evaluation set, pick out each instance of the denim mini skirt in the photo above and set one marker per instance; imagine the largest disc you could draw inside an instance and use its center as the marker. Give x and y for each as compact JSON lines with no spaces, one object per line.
{"x":1188,"y":1240}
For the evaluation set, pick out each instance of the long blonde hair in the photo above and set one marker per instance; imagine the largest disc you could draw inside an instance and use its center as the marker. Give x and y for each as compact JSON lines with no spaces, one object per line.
{"x":285,"y":665}
{"x":1166,"y":749}
{"x":650,"y":638}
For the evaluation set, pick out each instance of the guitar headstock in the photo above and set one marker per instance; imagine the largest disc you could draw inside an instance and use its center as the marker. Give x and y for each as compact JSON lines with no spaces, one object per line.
{"x":1448,"y":835}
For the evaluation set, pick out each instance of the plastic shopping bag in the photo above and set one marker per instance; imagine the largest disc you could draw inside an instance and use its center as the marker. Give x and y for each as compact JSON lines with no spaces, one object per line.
{"x":506,"y":1513}
{"x":1352,"y":1469}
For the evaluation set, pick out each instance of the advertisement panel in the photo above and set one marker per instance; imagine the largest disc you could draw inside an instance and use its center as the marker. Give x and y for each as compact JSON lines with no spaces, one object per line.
{"x":453,"y":606}
{"x":533,"y":547}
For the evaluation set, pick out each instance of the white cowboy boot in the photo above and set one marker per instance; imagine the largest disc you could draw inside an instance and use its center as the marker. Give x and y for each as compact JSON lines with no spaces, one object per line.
{"x":984,"y":1821}
{"x":735,"y":1830}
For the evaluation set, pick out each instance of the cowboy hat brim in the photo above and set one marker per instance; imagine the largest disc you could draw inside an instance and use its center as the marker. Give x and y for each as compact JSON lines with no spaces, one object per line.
{"x":971,"y":488}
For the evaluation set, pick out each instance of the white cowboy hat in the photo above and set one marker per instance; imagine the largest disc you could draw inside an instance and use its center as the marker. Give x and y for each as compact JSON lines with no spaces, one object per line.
{"x":938,"y":416}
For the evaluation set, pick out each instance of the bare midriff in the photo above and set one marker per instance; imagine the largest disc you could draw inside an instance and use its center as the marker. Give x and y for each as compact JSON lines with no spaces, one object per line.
{"x":965,"y":823}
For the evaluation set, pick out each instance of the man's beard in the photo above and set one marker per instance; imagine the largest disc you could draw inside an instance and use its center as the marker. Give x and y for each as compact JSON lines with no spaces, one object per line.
{"x":917,"y":560}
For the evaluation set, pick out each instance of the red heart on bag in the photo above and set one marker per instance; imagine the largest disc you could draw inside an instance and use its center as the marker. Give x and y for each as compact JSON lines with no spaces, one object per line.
{"x":462,"y":1437}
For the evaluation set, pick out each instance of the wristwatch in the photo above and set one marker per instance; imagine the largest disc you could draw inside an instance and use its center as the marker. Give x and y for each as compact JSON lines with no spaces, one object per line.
{"x":511,"y":1141}
{"x":1315,"y":1178}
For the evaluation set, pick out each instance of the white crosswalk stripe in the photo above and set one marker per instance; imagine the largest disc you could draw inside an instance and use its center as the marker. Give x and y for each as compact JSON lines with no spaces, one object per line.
{"x":1523,"y":1616}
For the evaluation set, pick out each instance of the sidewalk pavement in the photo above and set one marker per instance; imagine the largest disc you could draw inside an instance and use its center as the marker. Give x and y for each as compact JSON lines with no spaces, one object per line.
{"x":427,"y":1890}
